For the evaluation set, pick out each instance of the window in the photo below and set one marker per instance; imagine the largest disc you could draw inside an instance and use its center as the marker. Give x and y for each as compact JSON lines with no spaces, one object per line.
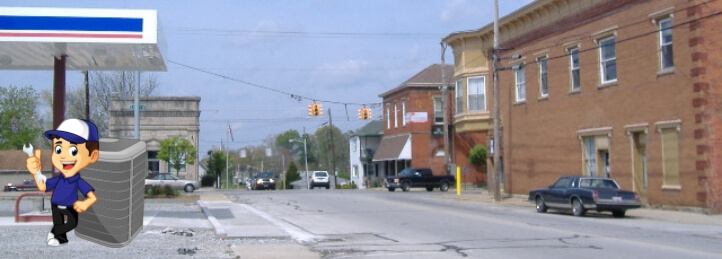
{"x":171,"y":166}
{"x":574,"y":68}
{"x":459,"y":96}
{"x":396,"y":115}
{"x":476,"y":91}
{"x":403,"y":112}
{"x":543,"y":85}
{"x":666,"y":53}
{"x":608,"y":60}
{"x":519,"y":77}
{"x":438,"y":111}
{"x":388,"y":116}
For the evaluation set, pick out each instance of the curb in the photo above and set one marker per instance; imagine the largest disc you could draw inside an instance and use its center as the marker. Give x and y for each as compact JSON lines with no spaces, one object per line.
{"x":220,"y":231}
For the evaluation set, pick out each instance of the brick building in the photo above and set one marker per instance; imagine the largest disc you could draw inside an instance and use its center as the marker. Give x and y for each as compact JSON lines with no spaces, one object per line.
{"x":623,"y":89}
{"x":412,"y":124}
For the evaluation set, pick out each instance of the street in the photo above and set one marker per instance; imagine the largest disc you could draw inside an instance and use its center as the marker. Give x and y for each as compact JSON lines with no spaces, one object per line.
{"x":332,"y":223}
{"x":420,"y":224}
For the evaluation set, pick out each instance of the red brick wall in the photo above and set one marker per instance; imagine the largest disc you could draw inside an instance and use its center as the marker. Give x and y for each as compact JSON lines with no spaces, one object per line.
{"x":541,"y":139}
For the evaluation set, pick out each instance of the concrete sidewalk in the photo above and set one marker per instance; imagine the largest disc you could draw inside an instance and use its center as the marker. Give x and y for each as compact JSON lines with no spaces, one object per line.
{"x":690,"y":215}
{"x":239,"y":221}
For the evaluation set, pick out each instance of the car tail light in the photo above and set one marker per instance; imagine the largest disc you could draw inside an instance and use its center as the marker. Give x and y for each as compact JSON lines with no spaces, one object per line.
{"x":595,"y":195}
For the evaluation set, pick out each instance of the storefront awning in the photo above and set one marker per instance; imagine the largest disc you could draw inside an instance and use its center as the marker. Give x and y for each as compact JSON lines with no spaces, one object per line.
{"x":394,"y":148}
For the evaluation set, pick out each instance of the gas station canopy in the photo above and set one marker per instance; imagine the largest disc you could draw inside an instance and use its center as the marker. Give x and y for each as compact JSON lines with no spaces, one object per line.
{"x":91,"y":39}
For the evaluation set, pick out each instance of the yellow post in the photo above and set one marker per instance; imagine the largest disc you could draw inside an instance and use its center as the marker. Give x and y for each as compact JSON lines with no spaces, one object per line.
{"x":458,"y":180}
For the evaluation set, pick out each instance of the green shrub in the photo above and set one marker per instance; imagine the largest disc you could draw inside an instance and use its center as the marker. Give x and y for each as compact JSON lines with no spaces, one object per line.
{"x":208,"y":180}
{"x":477,"y":155}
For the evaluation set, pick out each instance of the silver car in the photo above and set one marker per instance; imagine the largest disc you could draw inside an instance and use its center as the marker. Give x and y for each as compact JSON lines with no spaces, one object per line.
{"x":170,"y":180}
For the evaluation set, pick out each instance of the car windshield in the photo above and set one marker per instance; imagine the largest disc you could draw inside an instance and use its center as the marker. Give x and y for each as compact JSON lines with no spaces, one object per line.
{"x":264,"y":175}
{"x":598,"y":183}
{"x":407,"y":172}
{"x":320,"y":174}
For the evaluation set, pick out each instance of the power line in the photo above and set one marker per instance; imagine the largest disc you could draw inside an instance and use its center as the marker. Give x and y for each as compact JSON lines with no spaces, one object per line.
{"x":294,"y":96}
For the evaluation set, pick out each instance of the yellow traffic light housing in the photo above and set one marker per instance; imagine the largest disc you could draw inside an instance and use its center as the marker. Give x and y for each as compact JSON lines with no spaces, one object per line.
{"x":312,"y":109}
{"x":319,"y":109}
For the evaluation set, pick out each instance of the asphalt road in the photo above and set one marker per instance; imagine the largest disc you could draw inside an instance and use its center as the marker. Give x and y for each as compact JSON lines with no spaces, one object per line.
{"x":419,"y":224}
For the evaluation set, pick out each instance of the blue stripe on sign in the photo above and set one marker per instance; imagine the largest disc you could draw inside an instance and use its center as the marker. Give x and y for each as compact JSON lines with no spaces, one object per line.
{"x":60,"y":23}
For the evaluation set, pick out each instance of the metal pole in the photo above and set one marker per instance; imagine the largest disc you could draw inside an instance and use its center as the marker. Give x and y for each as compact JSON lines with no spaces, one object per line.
{"x":444,"y":109}
{"x":227,"y":132}
{"x":333,"y":149}
{"x":136,"y":112}
{"x":305,"y":157}
{"x":497,"y":138}
{"x":87,"y":95}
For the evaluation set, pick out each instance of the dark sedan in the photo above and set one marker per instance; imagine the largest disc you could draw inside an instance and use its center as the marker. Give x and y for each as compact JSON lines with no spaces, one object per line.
{"x":580,"y":194}
{"x":263,"y":181}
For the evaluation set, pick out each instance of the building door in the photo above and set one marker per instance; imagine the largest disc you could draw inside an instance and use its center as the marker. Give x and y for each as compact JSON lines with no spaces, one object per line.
{"x":590,"y":156}
{"x":639,"y":159}
{"x":604,"y":164}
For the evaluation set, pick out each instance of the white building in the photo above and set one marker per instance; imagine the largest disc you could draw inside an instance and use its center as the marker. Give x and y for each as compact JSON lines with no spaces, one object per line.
{"x":362,"y":147}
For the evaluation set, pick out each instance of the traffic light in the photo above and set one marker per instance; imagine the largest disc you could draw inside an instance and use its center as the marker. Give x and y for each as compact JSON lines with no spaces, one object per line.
{"x":315,"y":109}
{"x":364,"y":113}
{"x":312,"y":109}
{"x":319,"y":109}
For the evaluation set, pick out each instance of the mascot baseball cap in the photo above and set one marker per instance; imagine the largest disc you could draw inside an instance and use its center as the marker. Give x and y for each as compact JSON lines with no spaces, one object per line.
{"x":76,"y":131}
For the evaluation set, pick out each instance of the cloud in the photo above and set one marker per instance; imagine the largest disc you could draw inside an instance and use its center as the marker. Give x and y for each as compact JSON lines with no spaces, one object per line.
{"x":345,"y":72}
{"x":459,"y":10}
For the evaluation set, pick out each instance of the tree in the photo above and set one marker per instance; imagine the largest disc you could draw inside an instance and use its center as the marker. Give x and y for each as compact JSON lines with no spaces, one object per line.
{"x":19,"y":123}
{"x":103,"y":85}
{"x":177,"y":151}
{"x":292,"y":175}
{"x":323,"y":148}
{"x":477,"y":155}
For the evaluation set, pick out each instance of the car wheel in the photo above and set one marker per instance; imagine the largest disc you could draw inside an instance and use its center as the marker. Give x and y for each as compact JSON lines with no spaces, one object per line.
{"x":619,"y":213}
{"x":429,"y":189}
{"x":541,"y":207}
{"x":406,"y":186}
{"x":189,"y":188}
{"x":444,"y":186}
{"x":578,"y":208}
{"x":392,"y":189}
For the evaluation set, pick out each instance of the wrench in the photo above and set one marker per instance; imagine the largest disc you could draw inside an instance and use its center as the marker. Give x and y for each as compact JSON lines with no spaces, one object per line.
{"x":29,"y":150}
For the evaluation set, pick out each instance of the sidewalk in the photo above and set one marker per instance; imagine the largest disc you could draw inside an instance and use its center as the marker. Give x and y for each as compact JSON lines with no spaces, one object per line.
{"x":689,"y":216}
{"x":239,"y":221}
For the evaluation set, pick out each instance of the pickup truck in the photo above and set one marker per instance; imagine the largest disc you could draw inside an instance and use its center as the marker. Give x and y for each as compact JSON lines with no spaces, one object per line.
{"x":419,"y":177}
{"x":26,"y":185}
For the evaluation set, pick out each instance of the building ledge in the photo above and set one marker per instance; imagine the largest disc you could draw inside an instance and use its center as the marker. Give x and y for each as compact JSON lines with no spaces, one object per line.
{"x":476,"y":121}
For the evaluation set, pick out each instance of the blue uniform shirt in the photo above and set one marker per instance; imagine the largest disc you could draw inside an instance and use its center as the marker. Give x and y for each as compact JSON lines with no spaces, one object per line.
{"x":66,"y":189}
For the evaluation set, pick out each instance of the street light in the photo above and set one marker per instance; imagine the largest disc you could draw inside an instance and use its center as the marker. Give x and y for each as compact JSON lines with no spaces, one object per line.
{"x":305,"y":157}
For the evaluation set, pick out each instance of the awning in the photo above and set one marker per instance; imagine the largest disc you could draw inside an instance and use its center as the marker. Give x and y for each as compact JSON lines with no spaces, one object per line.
{"x":394,"y":148}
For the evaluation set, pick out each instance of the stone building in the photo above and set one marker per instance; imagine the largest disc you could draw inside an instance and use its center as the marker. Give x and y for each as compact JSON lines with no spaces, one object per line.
{"x":612,"y":88}
{"x":161,"y":117}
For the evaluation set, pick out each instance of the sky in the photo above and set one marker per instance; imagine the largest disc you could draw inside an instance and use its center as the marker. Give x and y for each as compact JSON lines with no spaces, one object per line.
{"x":262,"y":55}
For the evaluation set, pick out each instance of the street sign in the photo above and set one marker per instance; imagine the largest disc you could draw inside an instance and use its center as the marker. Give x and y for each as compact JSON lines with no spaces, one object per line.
{"x":140,"y":107}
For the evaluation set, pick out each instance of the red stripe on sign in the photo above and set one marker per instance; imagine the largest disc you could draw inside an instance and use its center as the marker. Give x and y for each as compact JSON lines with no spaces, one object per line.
{"x":71,"y":35}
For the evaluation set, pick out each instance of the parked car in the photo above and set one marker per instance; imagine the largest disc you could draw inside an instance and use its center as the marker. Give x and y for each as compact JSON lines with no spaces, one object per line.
{"x":26,"y":185}
{"x":263,"y":181}
{"x":419,"y":177}
{"x":580,"y":194}
{"x":163,"y":179}
{"x":320,"y":179}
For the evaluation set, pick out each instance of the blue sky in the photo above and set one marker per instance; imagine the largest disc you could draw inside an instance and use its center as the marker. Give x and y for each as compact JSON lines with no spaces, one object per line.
{"x":341,"y":52}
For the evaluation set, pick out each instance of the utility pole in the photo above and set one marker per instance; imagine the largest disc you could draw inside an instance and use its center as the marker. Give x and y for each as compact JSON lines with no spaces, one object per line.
{"x":497,"y":138}
{"x":444,"y":109}
{"x":333,"y":149}
{"x":87,"y":95}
